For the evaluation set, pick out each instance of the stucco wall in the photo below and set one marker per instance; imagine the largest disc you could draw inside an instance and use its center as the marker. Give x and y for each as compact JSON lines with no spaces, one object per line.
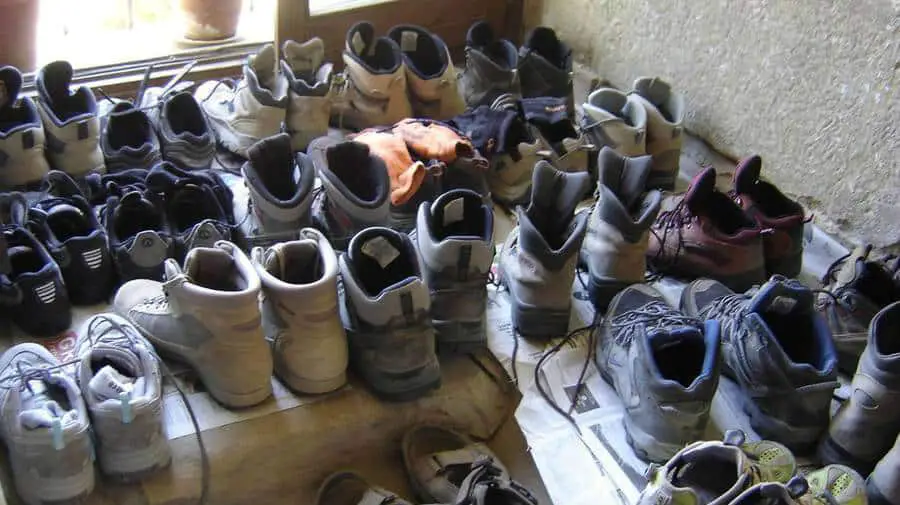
{"x":811,"y":85}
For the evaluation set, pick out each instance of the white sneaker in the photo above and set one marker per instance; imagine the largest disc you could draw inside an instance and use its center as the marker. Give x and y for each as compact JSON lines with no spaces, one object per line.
{"x":252,"y":110}
{"x":45,"y":426}
{"x":375,"y":88}
{"x":665,"y":130}
{"x":612,"y":118}
{"x":21,"y":134}
{"x":309,"y":76}
{"x":70,"y":119}
{"x":300,"y":312}
{"x":122,"y":388}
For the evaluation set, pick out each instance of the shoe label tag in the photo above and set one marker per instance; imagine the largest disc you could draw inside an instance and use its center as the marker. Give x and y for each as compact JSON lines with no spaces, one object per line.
{"x":357,"y":43}
{"x":409,"y":41}
{"x":380,"y":250}
{"x":454,"y":211}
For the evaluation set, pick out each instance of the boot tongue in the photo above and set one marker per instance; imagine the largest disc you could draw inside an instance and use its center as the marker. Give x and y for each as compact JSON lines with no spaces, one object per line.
{"x":781,"y":298}
{"x":208,"y":263}
{"x":291,"y":261}
{"x":55,"y":80}
{"x":702,"y":188}
{"x":10,"y":84}
{"x":626,"y":178}
{"x":38,"y":409}
{"x":110,"y":384}
{"x":263,"y":64}
{"x":655,"y":90}
{"x":271,"y":154}
{"x":556,"y":194}
{"x":747,"y":174}
{"x":304,"y":59}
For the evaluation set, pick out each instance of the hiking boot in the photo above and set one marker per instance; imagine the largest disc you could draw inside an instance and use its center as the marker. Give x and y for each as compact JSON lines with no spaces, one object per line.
{"x":491,"y":67}
{"x":856,"y":288}
{"x":355,"y":190}
{"x":835,"y":485}
{"x":21,"y":134}
{"x":545,"y":67}
{"x":71,"y":124}
{"x":279,"y":204}
{"x":883,"y":485}
{"x":430,"y":74}
{"x":207,"y":315}
{"x":192,"y":209}
{"x":488,"y":483}
{"x":454,"y":239}
{"x":663,"y":365}
{"x":119,"y":376}
{"x":537,"y":262}
{"x":309,"y":80}
{"x":618,"y":232}
{"x":567,"y":149}
{"x":127,"y":138}
{"x":185,"y":135}
{"x":778,"y":350}
{"x":509,"y":179}
{"x":32,"y":292}
{"x":140,"y":238}
{"x":251,"y":110}
{"x":375,"y":93}
{"x":665,"y":117}
{"x":386,"y":310}
{"x":775,"y":212}
{"x":612,"y":118}
{"x":300,"y":312}
{"x":65,"y":223}
{"x":708,"y":473}
{"x":702,"y":233}
{"x":348,"y":488}
{"x":45,"y":427}
{"x":864,"y":428}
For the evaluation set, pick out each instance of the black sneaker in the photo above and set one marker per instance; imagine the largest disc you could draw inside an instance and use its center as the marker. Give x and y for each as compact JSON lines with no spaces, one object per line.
{"x":139,"y":236}
{"x":65,"y":223}
{"x":185,"y":136}
{"x":192,"y":209}
{"x":127,"y":138}
{"x":32,"y":292}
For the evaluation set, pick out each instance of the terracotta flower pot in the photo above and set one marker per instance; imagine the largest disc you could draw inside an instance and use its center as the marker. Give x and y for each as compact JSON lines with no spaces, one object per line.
{"x":18,"y":33}
{"x":210,"y":19}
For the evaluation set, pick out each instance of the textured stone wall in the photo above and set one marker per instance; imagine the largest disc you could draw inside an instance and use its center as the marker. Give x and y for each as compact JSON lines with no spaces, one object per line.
{"x":811,"y":85}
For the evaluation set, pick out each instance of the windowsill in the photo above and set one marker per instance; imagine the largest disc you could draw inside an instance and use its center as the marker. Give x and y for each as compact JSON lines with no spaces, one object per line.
{"x":323,"y":7}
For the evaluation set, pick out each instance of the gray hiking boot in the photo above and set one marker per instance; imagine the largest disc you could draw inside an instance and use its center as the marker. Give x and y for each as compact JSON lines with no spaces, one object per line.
{"x":537,"y":263}
{"x":309,"y":78}
{"x":454,"y":238}
{"x":280,"y":186}
{"x":865,"y":427}
{"x":883,"y":485}
{"x":491,"y":67}
{"x":253,"y":109}
{"x":615,"y":246}
{"x":858,"y":286}
{"x":386,"y":310}
{"x":663,"y":365}
{"x":545,"y":66}
{"x":355,"y":189}
{"x":779,"y":352}
{"x":45,"y":427}
{"x":207,"y":315}
{"x":716,"y":473}
{"x":665,"y":132}
{"x":612,"y":118}
{"x":121,"y":383}
{"x":300,"y":312}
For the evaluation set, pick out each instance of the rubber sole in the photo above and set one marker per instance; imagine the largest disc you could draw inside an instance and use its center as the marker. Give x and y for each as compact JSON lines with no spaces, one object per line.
{"x":788,"y":266}
{"x":831,"y":453}
{"x":602,"y":292}
{"x":306,"y":385}
{"x":138,"y":465}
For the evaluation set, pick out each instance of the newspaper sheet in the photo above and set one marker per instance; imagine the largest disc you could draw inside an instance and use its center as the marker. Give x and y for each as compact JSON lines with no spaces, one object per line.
{"x":591,"y":462}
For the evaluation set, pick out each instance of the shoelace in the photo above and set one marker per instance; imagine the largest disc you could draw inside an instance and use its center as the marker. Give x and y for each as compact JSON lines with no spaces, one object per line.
{"x":654,"y":314}
{"x":730,"y":310}
{"x":673,"y":220}
{"x":485,"y":473}
{"x":23,"y":376}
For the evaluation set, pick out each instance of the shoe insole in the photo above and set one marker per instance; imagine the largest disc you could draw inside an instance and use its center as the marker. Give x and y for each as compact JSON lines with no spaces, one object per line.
{"x":130,"y":129}
{"x":710,"y":478}
{"x":191,"y":206}
{"x":136,"y":219}
{"x":185,"y":115}
{"x":68,"y":222}
{"x":796,"y":333}
{"x":726,"y":215}
{"x":681,"y":361}
{"x":24,"y":259}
